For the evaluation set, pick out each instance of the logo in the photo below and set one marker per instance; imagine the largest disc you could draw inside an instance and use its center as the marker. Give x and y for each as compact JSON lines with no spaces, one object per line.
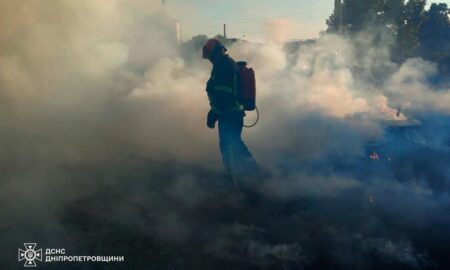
{"x":30,"y":254}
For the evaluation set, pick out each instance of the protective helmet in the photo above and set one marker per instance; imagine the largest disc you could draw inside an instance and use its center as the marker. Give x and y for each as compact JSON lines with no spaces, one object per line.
{"x":211,"y":46}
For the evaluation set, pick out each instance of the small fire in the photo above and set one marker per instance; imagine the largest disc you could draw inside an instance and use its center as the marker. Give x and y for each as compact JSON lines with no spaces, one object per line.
{"x":374,"y":156}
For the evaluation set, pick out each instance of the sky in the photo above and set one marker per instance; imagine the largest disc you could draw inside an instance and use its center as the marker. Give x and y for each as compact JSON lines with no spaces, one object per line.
{"x":248,"y":19}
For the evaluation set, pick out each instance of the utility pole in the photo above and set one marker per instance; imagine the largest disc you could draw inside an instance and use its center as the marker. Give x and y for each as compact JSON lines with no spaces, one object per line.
{"x":402,"y":35}
{"x":178,"y":31}
{"x":338,"y":13}
{"x":340,"y":16}
{"x":224,"y":30}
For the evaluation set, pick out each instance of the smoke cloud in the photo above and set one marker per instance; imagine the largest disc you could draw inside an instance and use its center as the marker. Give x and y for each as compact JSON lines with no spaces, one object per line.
{"x":104,"y":148}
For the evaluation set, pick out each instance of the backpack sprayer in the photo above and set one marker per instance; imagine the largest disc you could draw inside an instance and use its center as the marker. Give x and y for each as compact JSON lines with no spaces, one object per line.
{"x":247,"y":90}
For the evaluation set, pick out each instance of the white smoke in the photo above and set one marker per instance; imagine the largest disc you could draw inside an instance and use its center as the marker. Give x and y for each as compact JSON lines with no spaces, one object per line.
{"x":119,"y":69}
{"x":279,"y":30}
{"x":89,"y":87}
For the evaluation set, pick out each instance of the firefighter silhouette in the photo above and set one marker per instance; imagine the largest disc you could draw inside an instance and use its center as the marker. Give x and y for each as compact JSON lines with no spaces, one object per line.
{"x":227,"y":108}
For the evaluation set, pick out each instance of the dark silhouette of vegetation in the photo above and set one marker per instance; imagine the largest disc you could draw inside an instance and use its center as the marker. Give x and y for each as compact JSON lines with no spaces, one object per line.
{"x":196,"y":43}
{"x":434,"y":33}
{"x":413,"y":30}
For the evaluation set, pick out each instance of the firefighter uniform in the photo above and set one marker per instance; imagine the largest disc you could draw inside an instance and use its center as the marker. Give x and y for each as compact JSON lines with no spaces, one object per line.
{"x":222,"y":90}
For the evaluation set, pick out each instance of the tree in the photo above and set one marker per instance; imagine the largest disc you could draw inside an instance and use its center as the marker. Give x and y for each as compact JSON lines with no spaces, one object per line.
{"x":410,"y":30}
{"x":412,"y":18}
{"x":191,"y":50}
{"x":357,"y":15}
{"x":434,"y":34}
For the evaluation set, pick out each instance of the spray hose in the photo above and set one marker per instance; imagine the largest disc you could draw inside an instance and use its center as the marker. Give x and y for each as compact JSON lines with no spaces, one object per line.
{"x":257,"y":119}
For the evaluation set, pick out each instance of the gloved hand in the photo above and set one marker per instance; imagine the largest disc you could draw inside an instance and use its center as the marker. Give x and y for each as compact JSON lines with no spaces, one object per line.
{"x":211,"y":119}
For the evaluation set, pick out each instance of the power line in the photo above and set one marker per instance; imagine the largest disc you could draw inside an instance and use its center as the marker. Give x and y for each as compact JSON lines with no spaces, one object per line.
{"x":269,"y":19}
{"x":241,"y":10}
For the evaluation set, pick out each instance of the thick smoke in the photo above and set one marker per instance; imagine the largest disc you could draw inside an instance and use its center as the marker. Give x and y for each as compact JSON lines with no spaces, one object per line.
{"x":104,"y":148}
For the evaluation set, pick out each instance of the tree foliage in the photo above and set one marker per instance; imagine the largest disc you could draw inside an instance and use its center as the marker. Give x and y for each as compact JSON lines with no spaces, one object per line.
{"x":434,"y":33}
{"x":357,"y":15}
{"x":413,"y":30}
{"x":413,"y":17}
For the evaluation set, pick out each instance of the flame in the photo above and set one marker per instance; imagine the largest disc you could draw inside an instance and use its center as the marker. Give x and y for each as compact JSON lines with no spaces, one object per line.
{"x":374,"y":156}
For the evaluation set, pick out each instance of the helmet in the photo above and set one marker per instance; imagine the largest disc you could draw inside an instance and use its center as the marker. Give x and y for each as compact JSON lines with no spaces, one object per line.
{"x":211,"y":47}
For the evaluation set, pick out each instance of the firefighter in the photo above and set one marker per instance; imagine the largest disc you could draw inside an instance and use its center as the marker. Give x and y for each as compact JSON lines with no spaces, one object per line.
{"x":226,"y":109}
